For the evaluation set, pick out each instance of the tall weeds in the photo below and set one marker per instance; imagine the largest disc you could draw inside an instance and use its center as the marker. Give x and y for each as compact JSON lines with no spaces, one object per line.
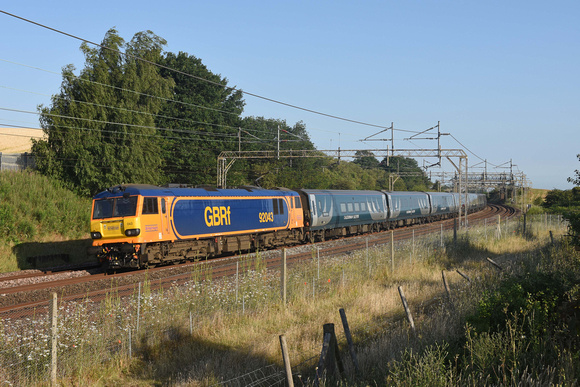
{"x":36,"y":213}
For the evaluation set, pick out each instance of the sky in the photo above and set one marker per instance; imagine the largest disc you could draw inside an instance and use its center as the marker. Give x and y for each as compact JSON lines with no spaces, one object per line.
{"x":501,"y":77}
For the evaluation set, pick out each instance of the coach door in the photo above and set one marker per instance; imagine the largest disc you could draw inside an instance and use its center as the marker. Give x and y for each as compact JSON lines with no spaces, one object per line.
{"x":164,"y":215}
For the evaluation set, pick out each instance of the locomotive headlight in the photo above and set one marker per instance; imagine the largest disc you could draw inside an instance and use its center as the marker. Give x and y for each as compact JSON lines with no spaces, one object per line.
{"x":96,"y":235}
{"x":133,"y":232}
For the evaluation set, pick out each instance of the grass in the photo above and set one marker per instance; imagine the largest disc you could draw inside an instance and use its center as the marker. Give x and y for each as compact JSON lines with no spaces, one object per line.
{"x":39,"y":217}
{"x":213,"y":330}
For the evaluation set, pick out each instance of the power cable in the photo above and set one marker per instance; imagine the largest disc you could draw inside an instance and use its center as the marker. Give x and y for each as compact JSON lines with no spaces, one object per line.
{"x":466,"y":148}
{"x":120,"y":88}
{"x":209,"y":81}
{"x":129,"y":110}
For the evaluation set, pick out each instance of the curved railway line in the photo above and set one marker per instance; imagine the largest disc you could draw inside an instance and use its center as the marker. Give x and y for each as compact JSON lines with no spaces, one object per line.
{"x":24,"y":293}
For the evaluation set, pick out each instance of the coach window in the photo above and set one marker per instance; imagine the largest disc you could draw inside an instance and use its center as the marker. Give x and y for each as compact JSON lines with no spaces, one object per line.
{"x":150,"y":206}
{"x":343,"y":207}
{"x":357,"y":207}
{"x":349,"y":206}
{"x":363,"y":206}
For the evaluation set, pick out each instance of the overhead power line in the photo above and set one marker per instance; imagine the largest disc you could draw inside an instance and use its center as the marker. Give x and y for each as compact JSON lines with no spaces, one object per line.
{"x":210,"y":82}
{"x":123,"y":89}
{"x":469,"y":150}
{"x":191,"y":75}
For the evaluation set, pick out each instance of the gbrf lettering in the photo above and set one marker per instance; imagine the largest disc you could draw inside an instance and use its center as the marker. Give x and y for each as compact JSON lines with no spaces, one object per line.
{"x":217,"y":216}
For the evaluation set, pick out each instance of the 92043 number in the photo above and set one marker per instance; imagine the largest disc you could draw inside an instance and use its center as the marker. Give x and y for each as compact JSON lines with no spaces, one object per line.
{"x":266,"y":217}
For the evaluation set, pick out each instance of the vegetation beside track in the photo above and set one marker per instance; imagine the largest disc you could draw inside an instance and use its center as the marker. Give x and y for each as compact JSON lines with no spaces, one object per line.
{"x":39,"y":217}
{"x":505,"y":327}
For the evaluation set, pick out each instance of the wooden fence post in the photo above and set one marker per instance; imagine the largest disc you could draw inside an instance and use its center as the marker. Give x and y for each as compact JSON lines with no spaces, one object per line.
{"x":407,"y":310}
{"x":463,"y":275}
{"x":494,"y":264}
{"x":53,"y":337}
{"x":349,"y":340}
{"x":393,"y":251}
{"x":330,"y":356}
{"x":283,"y":278}
{"x":446,"y":286}
{"x":286,"y":357}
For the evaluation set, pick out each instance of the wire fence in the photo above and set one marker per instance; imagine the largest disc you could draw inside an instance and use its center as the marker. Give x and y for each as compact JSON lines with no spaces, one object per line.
{"x":90,"y":334}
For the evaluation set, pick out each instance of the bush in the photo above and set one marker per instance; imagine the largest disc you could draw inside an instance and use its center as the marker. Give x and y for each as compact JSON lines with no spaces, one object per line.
{"x":537,"y":294}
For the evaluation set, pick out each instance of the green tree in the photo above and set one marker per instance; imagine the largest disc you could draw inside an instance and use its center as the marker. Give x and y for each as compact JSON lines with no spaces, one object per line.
{"x":573,"y":215}
{"x":259,"y":134}
{"x":576,"y":179}
{"x":366,"y":159}
{"x":203,"y":119}
{"x":557,"y":198}
{"x":100,"y":128}
{"x":403,"y":165}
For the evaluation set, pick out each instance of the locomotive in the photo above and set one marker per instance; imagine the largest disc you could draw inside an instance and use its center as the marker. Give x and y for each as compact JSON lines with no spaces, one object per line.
{"x":140,"y":226}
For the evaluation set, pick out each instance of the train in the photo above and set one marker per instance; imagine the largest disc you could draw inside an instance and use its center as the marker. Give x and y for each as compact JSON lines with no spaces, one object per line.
{"x":137,"y":226}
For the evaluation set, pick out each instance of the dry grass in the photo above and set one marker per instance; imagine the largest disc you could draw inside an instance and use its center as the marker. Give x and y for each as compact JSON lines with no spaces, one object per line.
{"x":228,"y":341}
{"x":372,"y":304}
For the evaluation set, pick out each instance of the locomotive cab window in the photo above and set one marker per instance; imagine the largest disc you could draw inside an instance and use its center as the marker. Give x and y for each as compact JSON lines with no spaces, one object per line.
{"x":275,"y":204}
{"x":281,"y":205}
{"x":163,"y":206}
{"x":150,"y":206}
{"x":115,"y":207}
{"x":125,"y":206}
{"x":103,"y":208}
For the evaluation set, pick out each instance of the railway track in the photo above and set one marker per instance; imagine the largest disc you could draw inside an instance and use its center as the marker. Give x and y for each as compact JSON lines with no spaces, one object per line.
{"x":27,"y":293}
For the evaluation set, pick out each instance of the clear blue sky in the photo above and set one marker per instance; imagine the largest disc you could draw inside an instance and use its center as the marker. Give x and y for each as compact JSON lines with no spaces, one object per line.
{"x":503,"y":77}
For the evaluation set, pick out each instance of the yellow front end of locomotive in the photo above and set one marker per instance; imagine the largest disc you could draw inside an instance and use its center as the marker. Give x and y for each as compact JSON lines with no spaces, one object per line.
{"x":116,"y":230}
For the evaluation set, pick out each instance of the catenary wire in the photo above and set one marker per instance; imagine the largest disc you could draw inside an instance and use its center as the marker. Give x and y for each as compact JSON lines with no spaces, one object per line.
{"x":209,"y":81}
{"x":191,"y":75}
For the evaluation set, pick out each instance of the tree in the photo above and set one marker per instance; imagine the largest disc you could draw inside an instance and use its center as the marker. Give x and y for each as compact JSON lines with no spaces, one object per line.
{"x":397,"y":164}
{"x":100,"y":129}
{"x":576,"y":179}
{"x":366,"y":159}
{"x":203,"y":120}
{"x":573,"y":215}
